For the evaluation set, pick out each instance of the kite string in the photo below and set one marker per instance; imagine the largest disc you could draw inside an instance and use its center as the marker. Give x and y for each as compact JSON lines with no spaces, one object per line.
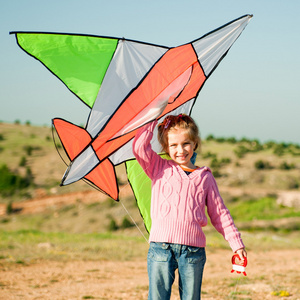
{"x":134,"y":222}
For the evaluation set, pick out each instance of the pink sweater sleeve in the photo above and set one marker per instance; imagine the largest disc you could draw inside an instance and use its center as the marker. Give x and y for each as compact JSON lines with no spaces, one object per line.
{"x":149,"y":160}
{"x":220,"y":216}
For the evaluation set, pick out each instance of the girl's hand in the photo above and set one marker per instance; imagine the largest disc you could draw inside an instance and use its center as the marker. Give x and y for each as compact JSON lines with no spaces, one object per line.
{"x":242,"y":253}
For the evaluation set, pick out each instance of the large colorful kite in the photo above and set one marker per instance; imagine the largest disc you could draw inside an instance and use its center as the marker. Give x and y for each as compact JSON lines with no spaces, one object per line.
{"x":126,"y":84}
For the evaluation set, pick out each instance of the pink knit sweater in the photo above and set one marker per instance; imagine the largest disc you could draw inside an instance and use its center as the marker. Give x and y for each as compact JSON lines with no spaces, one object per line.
{"x":178,"y":200}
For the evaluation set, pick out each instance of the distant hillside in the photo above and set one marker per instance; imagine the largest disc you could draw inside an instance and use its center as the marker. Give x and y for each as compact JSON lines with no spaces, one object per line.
{"x":244,"y":166}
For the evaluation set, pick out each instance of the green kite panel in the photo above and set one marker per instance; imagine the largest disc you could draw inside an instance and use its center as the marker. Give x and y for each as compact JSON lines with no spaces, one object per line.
{"x":141,"y":186}
{"x":80,"y":62}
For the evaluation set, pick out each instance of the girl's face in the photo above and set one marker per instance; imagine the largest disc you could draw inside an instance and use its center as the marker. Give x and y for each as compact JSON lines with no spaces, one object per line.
{"x":181,"y":147}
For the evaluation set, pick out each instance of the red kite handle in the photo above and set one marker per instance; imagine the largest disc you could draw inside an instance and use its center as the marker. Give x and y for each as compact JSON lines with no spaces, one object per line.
{"x":238,"y":265}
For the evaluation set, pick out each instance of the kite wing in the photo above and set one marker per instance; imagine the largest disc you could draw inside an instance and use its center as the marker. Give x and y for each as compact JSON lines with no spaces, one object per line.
{"x":126,"y":84}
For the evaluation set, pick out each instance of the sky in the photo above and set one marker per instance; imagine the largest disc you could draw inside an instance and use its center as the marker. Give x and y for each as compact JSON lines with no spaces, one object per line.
{"x":254,"y":92}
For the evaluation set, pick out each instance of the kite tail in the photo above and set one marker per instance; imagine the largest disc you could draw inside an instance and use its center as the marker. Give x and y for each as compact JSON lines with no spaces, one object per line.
{"x":75,"y":140}
{"x":104,"y":177}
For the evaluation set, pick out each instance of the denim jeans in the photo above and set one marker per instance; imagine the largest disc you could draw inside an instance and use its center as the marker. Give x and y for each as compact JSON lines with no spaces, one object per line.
{"x":163,"y":259}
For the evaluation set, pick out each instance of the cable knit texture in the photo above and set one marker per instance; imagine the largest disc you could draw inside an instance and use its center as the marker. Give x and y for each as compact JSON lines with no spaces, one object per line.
{"x":178,"y":200}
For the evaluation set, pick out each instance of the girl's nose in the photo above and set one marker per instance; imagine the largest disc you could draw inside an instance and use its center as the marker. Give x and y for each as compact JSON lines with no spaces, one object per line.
{"x":180,"y":148}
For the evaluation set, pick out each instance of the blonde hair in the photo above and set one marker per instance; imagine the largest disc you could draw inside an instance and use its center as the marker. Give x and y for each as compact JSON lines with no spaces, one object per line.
{"x":181,"y":121}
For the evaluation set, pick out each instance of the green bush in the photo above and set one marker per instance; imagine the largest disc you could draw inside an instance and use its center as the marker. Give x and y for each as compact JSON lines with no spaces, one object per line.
{"x":10,"y":182}
{"x":209,"y":154}
{"x":126,"y":223}
{"x":231,"y":140}
{"x":262,"y":165}
{"x":216,"y":173}
{"x":279,"y":150}
{"x":285,"y":166}
{"x":240,"y":151}
{"x":28,"y":149}
{"x":210,"y":137}
{"x":112,"y":225}
{"x":214,"y":163}
{"x":23,"y":161}
{"x":9,"y":208}
{"x":220,"y":140}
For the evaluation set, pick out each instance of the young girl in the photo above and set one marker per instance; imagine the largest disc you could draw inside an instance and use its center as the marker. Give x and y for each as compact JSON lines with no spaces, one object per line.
{"x":180,"y":192}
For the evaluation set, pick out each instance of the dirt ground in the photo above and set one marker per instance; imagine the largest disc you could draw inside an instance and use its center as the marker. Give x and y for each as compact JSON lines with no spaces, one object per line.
{"x":273,"y":274}
{"x":270,"y":275}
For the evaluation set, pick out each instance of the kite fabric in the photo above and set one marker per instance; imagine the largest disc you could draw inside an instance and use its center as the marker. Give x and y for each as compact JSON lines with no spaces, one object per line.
{"x":126,"y":84}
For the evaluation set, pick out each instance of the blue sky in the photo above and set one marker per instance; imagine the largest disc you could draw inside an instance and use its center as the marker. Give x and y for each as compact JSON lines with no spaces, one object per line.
{"x":254,"y":92}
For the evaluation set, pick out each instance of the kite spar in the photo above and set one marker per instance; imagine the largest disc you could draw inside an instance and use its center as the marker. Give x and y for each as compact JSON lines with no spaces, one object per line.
{"x":126,"y":84}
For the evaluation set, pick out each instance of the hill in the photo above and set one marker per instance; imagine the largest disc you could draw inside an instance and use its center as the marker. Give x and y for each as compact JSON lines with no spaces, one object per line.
{"x":240,"y":167}
{"x":76,"y":243}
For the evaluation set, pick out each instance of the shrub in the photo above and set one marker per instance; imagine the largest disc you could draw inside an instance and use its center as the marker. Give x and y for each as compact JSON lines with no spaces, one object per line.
{"x":225,"y":160}
{"x":216,"y":173}
{"x":231,"y":140}
{"x":269,"y":144}
{"x":241,"y":151}
{"x":256,"y":146}
{"x":285,"y":166}
{"x":126,"y":223}
{"x":22,"y":162}
{"x":262,"y":165}
{"x":112,"y":225}
{"x":210,"y":137}
{"x":245,"y":140}
{"x":11,"y":182}
{"x":220,"y":140}
{"x":279,"y":150}
{"x":9,"y":208}
{"x":28,"y":149}
{"x":209,"y":154}
{"x":215,"y":164}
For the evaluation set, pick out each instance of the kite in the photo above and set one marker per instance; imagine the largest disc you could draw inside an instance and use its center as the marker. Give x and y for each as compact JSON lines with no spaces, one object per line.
{"x":126,"y":84}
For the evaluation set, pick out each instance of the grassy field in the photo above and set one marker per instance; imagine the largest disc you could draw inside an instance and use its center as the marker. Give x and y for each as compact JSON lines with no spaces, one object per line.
{"x":84,"y":231}
{"x":102,"y":234}
{"x":234,"y":163}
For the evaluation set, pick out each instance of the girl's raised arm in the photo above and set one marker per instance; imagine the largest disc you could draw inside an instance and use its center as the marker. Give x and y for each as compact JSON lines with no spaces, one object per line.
{"x":149,"y":160}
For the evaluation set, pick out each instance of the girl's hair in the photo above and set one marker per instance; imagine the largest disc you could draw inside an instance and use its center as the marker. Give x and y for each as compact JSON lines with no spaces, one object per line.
{"x":181,"y":121}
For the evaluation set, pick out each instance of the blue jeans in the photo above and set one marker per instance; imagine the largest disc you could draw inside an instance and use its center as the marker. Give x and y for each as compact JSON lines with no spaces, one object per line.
{"x":163,"y":259}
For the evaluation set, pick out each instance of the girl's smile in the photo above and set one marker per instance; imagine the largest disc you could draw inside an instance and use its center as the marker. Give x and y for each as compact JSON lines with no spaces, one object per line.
{"x":181,"y":147}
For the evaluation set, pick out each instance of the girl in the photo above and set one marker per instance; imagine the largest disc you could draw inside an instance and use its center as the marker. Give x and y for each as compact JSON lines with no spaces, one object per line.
{"x":180,"y":192}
